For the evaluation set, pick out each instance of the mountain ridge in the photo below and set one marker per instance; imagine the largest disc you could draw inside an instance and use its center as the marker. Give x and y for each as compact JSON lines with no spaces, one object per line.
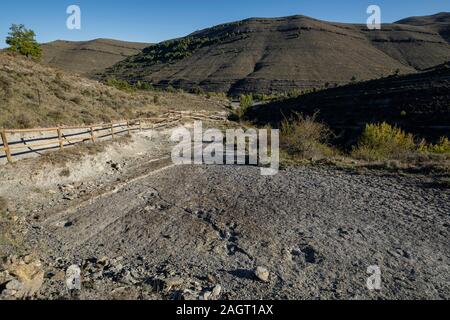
{"x":267,"y":55}
{"x":440,"y":17}
{"x":439,"y":22}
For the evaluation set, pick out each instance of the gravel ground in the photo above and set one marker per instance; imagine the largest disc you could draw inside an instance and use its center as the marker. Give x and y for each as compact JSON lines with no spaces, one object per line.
{"x":198,"y":232}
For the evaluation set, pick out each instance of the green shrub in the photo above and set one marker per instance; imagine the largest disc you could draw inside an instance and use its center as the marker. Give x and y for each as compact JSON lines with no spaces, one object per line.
{"x":128,"y":87}
{"x":143,"y":86}
{"x":197,"y":90}
{"x":245,"y":103}
{"x":383,"y":141}
{"x":263,"y":97}
{"x":304,"y":137}
{"x":442,"y":147}
{"x":294,"y":93}
{"x":121,"y":85}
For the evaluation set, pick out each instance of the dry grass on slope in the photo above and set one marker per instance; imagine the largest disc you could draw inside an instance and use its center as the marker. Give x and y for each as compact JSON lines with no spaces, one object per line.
{"x":33,"y":95}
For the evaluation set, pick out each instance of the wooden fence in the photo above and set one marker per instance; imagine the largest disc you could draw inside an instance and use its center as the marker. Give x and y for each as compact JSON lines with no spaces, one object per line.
{"x":60,"y":137}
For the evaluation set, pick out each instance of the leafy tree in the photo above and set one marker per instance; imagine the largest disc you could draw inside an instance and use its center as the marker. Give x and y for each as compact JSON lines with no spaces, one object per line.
{"x":22,"y":40}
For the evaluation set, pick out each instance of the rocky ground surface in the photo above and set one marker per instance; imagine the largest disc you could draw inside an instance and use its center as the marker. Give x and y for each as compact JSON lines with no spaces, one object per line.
{"x":158,"y":231}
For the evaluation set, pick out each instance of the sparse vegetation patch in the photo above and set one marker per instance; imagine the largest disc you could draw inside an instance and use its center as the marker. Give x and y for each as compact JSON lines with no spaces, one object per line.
{"x":33,"y":95}
{"x":383,"y":141}
{"x":305,"y":138}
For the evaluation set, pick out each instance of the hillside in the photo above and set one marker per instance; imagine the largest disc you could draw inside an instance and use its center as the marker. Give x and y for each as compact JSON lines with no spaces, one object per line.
{"x":438,"y":18}
{"x":419,"y":103}
{"x":88,"y":57}
{"x":279,"y":54}
{"x":439,"y":22}
{"x":33,"y":94}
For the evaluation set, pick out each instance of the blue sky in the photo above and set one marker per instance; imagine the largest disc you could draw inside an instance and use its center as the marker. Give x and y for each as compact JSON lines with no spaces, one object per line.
{"x":154,"y":21}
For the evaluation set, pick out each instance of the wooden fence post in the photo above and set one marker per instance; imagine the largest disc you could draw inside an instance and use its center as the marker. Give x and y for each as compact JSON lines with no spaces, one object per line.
{"x":92,"y":135}
{"x":128,"y":126}
{"x":6,"y":146}
{"x":112,"y":130}
{"x":140,"y":125}
{"x":61,"y":143}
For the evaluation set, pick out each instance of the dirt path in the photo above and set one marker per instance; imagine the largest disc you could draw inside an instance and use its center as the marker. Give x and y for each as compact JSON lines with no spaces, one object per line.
{"x":179,"y":232}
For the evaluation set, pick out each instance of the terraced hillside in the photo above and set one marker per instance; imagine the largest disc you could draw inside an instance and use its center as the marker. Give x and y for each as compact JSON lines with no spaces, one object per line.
{"x":439,"y":22}
{"x":88,"y":57}
{"x":270,"y":55}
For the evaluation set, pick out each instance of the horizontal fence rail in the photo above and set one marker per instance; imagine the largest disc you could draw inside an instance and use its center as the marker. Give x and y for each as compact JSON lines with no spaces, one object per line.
{"x":61,"y":137}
